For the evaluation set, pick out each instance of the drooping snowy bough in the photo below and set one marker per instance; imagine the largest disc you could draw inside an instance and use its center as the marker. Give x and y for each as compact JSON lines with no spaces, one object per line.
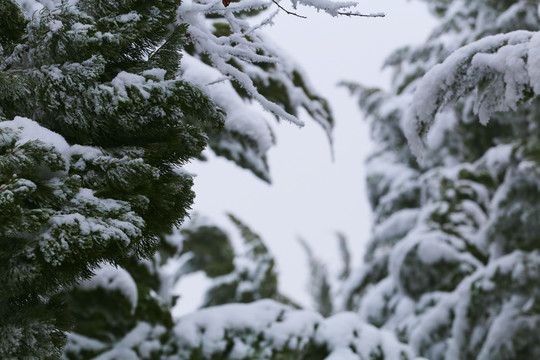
{"x":243,"y":71}
{"x":503,"y":71}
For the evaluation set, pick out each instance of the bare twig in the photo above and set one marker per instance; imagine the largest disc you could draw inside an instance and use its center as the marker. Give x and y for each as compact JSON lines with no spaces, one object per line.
{"x":287,"y":11}
{"x":221,"y":79}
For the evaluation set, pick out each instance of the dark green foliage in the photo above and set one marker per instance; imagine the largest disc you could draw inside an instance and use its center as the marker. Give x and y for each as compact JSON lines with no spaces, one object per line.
{"x":253,"y":278}
{"x":345,"y":253}
{"x":101,"y":314}
{"x":107,"y":185}
{"x":417,"y":277}
{"x":211,"y":248}
{"x":516,"y":225}
{"x":226,"y":143}
{"x":319,"y":283}
{"x":12,"y":24}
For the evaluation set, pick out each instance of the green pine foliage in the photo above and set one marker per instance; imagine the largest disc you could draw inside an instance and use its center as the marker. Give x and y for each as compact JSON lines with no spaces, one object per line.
{"x":95,"y":127}
{"x":319,"y":282}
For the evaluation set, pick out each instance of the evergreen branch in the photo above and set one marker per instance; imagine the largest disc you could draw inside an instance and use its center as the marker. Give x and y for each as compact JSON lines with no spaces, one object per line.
{"x":164,"y":43}
{"x":319,"y":284}
{"x":267,"y":21}
{"x":345,"y":256}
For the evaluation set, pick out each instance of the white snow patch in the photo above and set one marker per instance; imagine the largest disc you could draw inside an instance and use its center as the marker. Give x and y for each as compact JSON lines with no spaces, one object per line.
{"x":112,"y":278}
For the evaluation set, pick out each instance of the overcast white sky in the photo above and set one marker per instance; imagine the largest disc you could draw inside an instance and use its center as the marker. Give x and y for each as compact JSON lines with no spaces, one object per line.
{"x":311,"y":196}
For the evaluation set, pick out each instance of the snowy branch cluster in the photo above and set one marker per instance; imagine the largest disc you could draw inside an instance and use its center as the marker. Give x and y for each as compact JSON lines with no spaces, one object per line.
{"x":233,"y":61}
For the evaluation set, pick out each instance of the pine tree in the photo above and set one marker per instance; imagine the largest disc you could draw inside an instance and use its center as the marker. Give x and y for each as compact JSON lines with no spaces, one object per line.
{"x":95,"y":128}
{"x":453,"y":264}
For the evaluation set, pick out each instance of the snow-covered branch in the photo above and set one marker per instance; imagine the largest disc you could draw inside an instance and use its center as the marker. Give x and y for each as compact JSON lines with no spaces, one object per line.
{"x":503,"y":70}
{"x":228,"y":45}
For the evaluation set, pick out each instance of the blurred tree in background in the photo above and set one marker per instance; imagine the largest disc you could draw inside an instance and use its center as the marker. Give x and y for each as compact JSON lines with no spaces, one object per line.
{"x":453,"y":265}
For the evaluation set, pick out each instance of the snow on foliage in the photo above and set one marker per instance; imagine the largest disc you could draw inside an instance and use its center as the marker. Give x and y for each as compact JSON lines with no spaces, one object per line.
{"x":112,"y":278}
{"x":115,"y":224}
{"x":478,"y":322}
{"x":502,"y":68}
{"x":459,"y":280}
{"x":452,"y":269}
{"x":243,"y":119}
{"x":92,"y":135}
{"x":104,"y":116}
{"x":28,"y":131}
{"x":122,"y":310}
{"x":239,"y":67}
{"x":262,"y":329}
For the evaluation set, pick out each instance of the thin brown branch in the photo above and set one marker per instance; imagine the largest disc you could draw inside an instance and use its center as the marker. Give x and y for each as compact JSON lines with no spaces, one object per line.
{"x":287,"y":11}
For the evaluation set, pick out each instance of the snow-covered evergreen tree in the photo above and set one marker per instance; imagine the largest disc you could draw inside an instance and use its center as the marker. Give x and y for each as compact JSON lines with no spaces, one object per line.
{"x":453,"y":266}
{"x":95,"y":126}
{"x":97,"y":116}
